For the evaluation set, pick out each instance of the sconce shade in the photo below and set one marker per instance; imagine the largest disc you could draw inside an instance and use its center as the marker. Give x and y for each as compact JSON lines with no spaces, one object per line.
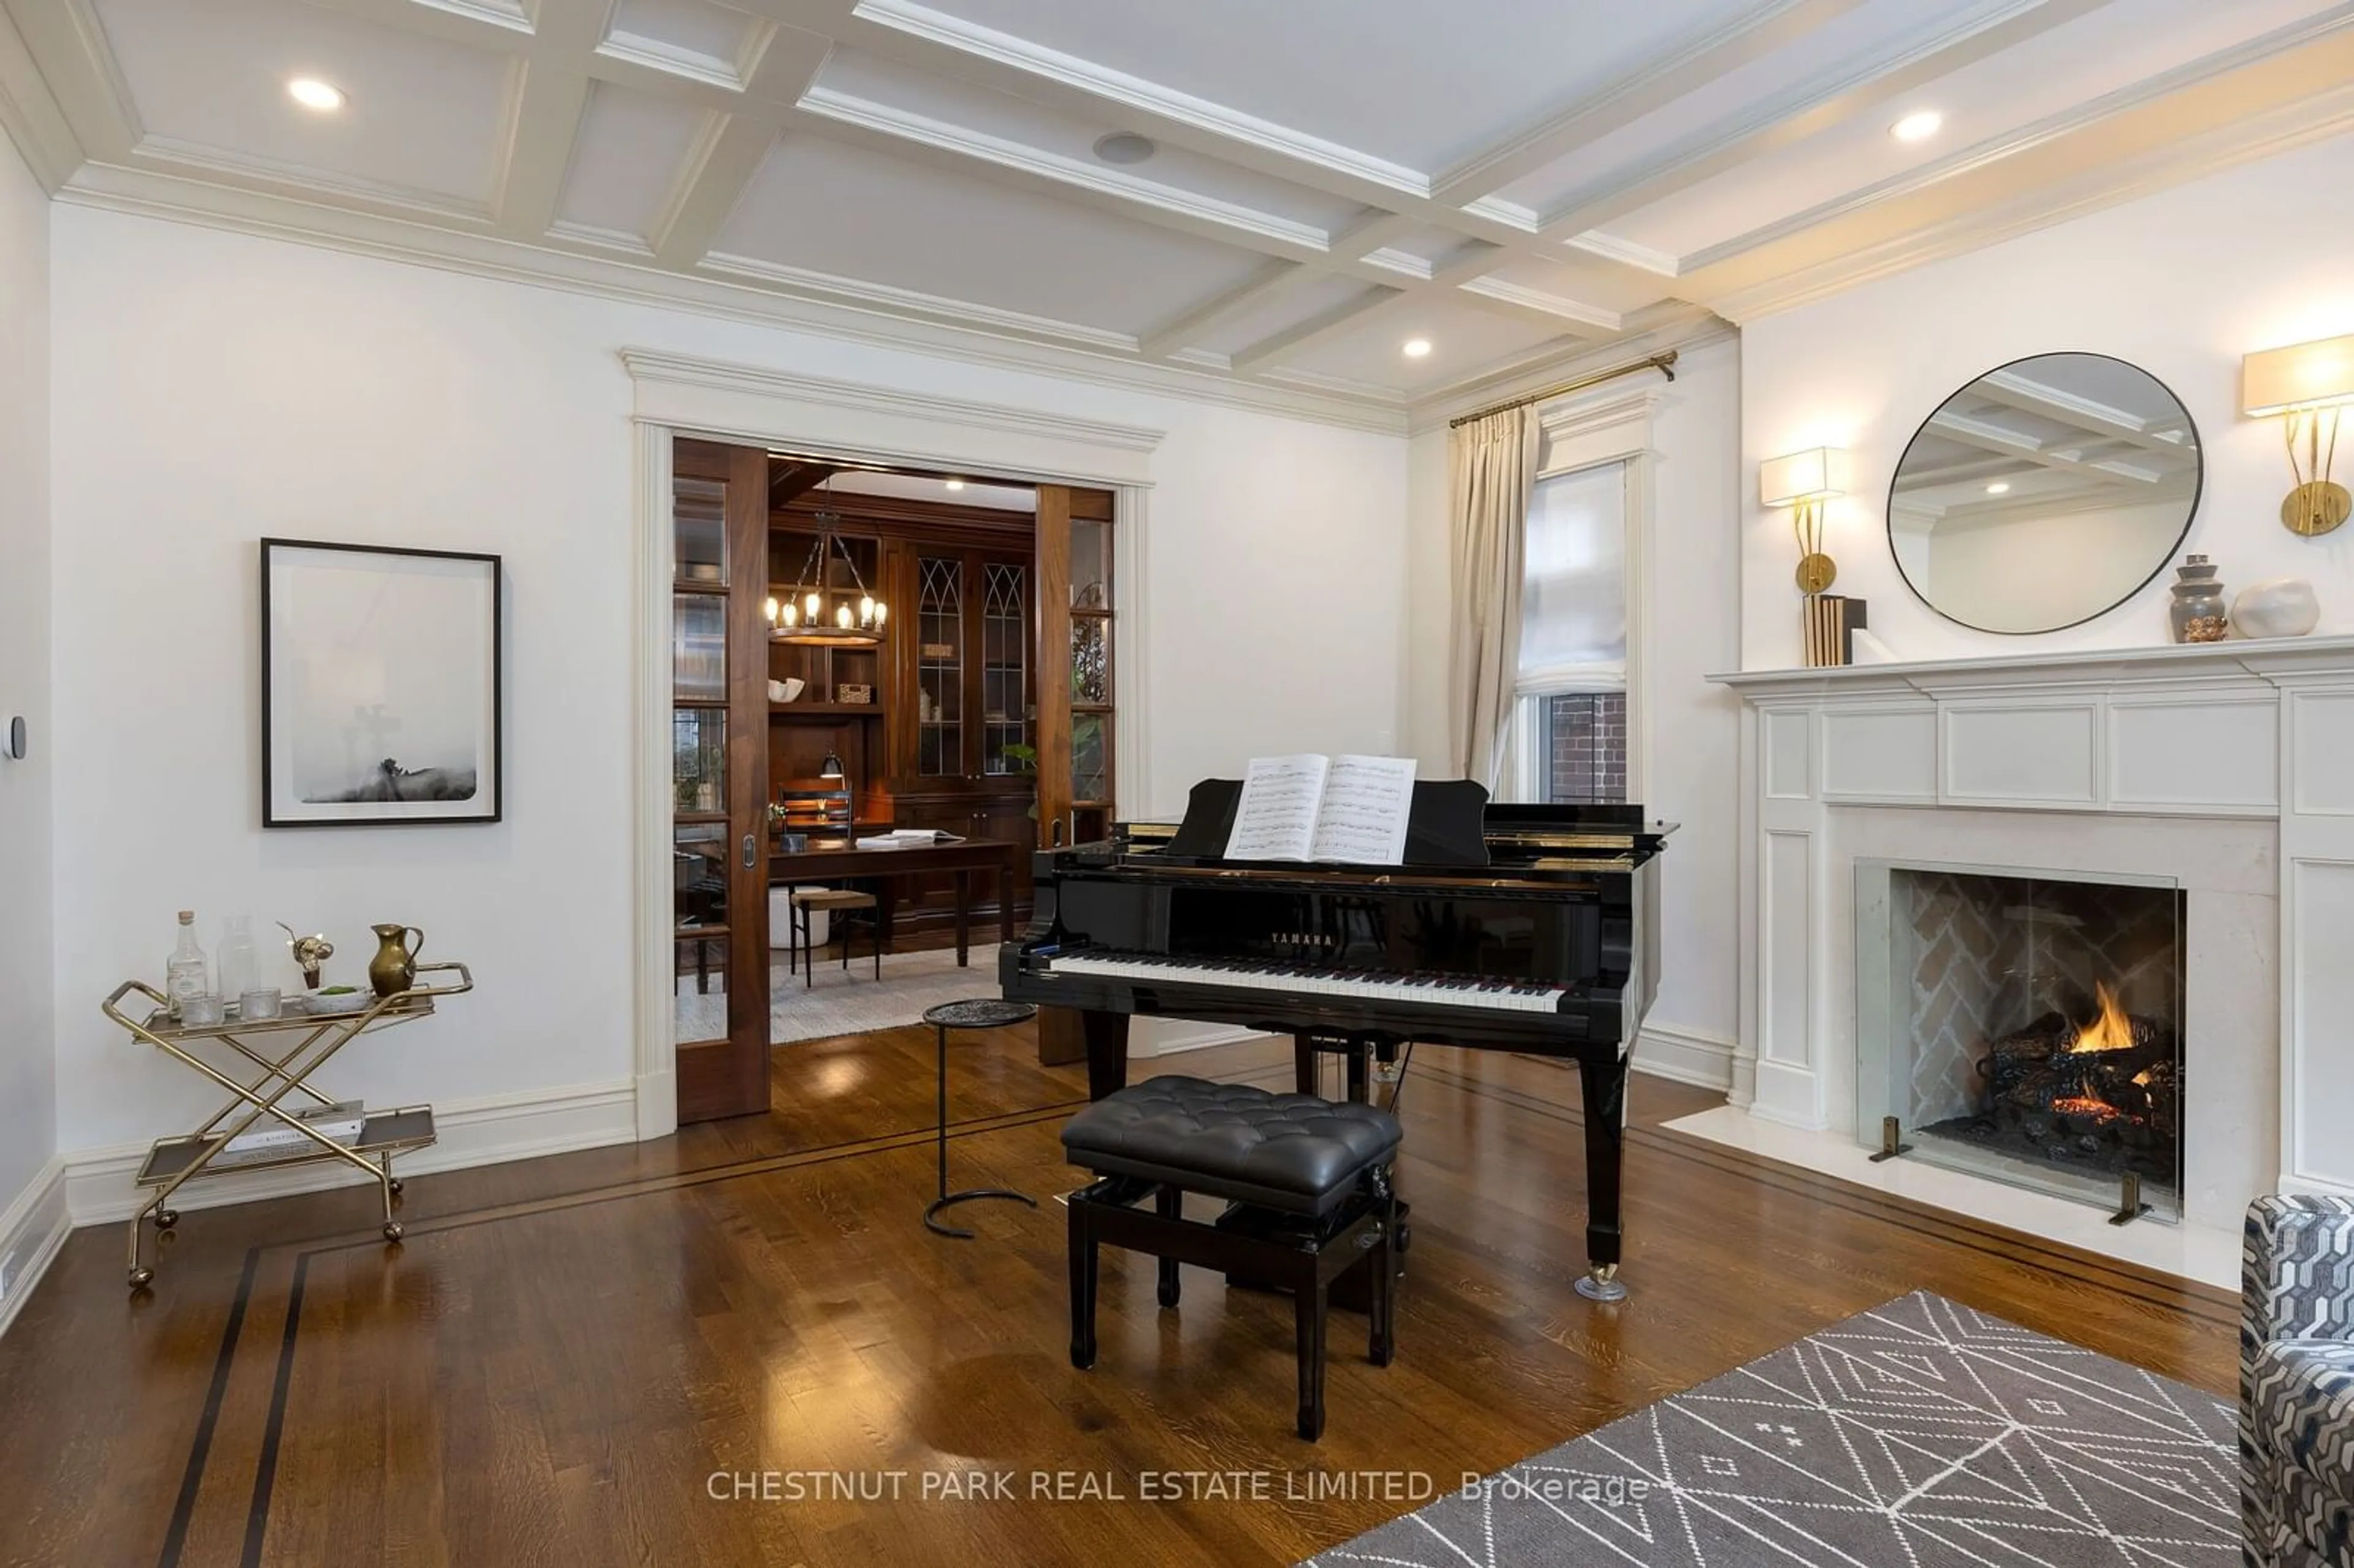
{"x":2302,"y":375}
{"x":831,"y":767}
{"x":1815,"y":475}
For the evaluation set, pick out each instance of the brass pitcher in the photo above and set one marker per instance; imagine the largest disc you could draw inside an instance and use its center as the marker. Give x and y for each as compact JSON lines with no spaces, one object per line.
{"x":394,"y":968}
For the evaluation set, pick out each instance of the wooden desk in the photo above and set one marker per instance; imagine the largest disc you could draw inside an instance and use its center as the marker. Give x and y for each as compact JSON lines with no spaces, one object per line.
{"x":835,"y":860}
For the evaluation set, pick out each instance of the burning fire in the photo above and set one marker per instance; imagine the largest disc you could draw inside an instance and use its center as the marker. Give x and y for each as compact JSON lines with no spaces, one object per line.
{"x":2112,"y":1031}
{"x":2084,"y":1104}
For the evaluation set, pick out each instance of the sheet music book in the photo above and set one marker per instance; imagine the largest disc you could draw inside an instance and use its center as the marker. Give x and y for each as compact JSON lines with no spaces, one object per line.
{"x":1352,"y":809}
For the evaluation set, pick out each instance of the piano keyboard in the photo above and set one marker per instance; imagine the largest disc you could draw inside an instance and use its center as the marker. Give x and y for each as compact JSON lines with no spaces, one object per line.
{"x":1437,"y":991}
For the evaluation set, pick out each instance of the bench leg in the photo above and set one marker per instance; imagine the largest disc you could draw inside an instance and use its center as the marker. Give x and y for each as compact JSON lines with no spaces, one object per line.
{"x":1308,"y":1302}
{"x":1170,"y":1205}
{"x":1083,"y":1285}
{"x":1381,"y":1297}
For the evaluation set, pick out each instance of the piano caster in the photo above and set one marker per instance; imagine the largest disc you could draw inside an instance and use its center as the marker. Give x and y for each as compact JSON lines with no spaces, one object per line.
{"x":1601,"y":1283}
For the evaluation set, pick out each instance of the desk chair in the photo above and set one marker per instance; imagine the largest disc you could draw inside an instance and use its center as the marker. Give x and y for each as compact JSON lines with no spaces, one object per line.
{"x":836,"y":902}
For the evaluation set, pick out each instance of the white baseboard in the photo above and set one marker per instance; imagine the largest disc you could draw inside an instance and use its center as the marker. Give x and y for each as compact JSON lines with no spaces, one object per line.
{"x":32,"y":1228}
{"x":1787,"y":1095}
{"x":1685,"y":1055}
{"x":98,"y":1181}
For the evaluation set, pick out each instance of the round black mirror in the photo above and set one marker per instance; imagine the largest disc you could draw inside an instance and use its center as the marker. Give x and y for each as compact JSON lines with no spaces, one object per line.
{"x":2045,"y":492}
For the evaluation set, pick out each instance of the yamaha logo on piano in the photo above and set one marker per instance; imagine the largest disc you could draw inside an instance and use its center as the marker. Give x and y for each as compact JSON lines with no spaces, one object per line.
{"x":1302,"y":940}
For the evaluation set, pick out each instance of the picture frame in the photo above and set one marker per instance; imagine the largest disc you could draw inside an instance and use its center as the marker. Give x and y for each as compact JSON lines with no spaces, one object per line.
{"x":383,"y":678}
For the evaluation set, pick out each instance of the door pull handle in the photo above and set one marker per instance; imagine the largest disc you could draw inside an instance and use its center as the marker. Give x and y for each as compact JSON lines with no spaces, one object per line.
{"x":751,"y":852}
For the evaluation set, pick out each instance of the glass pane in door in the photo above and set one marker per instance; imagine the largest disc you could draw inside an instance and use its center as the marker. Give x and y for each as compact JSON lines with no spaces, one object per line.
{"x":1090,"y":565}
{"x":699,"y":647}
{"x":1090,"y":759}
{"x":1004,"y":671}
{"x":1090,"y":661}
{"x":699,"y":514}
{"x":699,"y":760}
{"x":940,"y":666}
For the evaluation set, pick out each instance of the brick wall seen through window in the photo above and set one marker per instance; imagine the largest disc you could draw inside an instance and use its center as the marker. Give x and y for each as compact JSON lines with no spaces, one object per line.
{"x":1585,"y":748}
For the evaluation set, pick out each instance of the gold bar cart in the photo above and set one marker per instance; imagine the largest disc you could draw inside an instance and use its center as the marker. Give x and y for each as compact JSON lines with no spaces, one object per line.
{"x":171,"y":1162}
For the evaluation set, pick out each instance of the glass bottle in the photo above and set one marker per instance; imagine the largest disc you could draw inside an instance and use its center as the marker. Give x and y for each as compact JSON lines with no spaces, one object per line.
{"x":185,"y":975}
{"x":238,"y":969}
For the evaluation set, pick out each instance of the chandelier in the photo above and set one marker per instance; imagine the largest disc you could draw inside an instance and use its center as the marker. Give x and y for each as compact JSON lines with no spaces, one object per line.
{"x":817,"y":616}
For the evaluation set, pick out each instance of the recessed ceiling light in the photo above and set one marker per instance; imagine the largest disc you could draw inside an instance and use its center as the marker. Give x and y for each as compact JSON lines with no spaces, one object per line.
{"x":311,"y":93}
{"x":1125,"y":147}
{"x":1917,"y":126}
{"x":1998,"y":488}
{"x":1416,"y":347}
{"x":953,"y":483}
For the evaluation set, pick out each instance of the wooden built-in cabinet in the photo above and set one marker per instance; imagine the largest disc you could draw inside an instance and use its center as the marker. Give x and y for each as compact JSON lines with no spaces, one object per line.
{"x":948,"y":741}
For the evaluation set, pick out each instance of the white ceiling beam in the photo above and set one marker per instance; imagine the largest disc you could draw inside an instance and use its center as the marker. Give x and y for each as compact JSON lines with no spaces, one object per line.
{"x":2010,"y":443}
{"x":1681,"y":72}
{"x":2029,"y":396}
{"x":2031,"y":138}
{"x":1789,"y":118}
{"x":731,"y":149}
{"x":1350,"y":316}
{"x":479,"y":28}
{"x":1351,"y":246}
{"x":1187,"y":329}
{"x":544,"y":103}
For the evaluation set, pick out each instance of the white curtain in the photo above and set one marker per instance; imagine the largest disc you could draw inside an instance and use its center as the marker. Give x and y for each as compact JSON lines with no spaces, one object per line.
{"x":1491,"y":470}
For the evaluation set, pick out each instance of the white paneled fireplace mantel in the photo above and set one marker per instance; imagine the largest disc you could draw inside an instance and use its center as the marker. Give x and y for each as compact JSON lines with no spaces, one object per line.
{"x":2226,"y":767}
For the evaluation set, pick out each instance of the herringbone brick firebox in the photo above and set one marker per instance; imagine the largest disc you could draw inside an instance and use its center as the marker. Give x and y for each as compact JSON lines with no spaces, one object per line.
{"x":2034,"y":1027}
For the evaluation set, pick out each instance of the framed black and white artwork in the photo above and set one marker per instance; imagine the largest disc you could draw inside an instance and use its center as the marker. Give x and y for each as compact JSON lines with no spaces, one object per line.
{"x":380,"y":673}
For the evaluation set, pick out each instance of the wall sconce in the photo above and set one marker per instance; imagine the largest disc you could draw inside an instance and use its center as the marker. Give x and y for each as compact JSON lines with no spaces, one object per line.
{"x":1803,"y":481}
{"x":2309,"y":383}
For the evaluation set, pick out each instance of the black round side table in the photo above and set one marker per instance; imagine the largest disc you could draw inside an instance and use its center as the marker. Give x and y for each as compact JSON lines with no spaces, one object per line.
{"x":986,"y":1012}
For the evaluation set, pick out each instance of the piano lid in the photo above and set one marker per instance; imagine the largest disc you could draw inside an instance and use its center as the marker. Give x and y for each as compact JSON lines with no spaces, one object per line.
{"x":1454,"y":826}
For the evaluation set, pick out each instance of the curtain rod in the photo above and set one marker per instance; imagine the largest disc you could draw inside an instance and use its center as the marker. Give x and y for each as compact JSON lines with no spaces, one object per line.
{"x":1665,"y":363}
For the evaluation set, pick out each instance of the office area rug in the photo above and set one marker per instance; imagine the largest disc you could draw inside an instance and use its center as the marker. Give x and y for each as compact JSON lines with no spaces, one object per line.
{"x":846,"y":1003}
{"x":1918,"y":1434}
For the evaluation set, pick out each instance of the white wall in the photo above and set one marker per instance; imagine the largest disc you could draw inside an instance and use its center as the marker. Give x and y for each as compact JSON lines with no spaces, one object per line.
{"x":27,"y":1054}
{"x":1691,"y":619}
{"x":217,"y":387}
{"x":2182,"y":283}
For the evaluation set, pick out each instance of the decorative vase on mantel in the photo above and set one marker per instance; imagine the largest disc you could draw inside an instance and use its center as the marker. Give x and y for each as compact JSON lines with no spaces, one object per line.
{"x":2200,"y":612}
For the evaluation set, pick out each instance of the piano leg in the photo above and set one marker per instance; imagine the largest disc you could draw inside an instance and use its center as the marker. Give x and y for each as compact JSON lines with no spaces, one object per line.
{"x":1304,"y":1063}
{"x":1106,"y":1038}
{"x":1605,"y":1086}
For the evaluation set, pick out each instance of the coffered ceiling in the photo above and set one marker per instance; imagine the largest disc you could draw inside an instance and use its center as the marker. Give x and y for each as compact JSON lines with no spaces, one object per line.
{"x":1510,"y":182}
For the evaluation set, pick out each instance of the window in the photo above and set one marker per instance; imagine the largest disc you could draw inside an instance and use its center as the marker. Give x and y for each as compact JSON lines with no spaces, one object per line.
{"x":1570,"y":721}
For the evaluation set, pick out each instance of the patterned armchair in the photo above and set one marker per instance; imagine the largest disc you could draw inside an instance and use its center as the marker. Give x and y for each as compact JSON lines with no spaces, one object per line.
{"x":2297,"y":1383}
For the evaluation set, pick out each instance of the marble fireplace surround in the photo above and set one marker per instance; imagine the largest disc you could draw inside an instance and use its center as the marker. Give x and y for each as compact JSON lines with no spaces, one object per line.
{"x":2228,"y":767}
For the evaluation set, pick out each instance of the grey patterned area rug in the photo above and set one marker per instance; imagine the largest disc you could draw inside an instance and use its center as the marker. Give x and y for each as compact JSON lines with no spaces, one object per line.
{"x":844,"y":1001}
{"x":1918,"y":1434}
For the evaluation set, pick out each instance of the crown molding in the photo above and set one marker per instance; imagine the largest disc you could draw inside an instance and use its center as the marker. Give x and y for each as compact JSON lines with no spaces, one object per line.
{"x":1118,"y":87}
{"x":1683,"y":329}
{"x":651,"y":366}
{"x":2282,"y":128}
{"x":842,"y":309}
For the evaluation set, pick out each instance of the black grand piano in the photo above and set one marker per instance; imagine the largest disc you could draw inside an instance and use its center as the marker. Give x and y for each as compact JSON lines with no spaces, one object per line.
{"x":1529,"y":929}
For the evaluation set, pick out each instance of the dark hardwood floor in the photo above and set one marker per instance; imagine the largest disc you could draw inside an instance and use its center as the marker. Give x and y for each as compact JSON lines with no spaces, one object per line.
{"x":555,"y":1364}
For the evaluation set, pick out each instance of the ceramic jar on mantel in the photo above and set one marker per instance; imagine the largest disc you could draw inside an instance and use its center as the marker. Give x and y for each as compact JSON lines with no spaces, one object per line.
{"x":2198,"y":613}
{"x":2276,"y":607}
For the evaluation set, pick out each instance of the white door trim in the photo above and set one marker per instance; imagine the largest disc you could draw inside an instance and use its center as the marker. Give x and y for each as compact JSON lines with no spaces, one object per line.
{"x":679,"y":395}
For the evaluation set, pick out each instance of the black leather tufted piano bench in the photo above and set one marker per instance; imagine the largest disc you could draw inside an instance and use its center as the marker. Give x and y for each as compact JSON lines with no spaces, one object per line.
{"x":1308,"y":1184}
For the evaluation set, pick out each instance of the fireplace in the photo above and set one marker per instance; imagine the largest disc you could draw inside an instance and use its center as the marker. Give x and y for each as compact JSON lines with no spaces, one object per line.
{"x":2026,"y":1026}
